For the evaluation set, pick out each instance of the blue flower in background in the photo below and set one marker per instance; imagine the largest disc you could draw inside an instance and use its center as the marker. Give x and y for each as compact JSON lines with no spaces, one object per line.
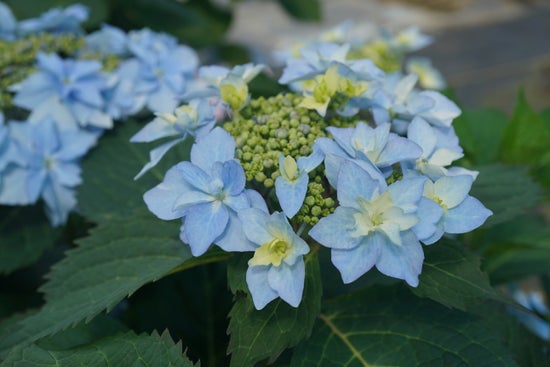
{"x":56,"y":20}
{"x":70,"y":91}
{"x":207,"y":193}
{"x":373,"y":226}
{"x":8,"y":23}
{"x":195,"y":119}
{"x":108,"y":40}
{"x":398,"y":102}
{"x":277,"y":268}
{"x":461,"y":212}
{"x":47,"y":167}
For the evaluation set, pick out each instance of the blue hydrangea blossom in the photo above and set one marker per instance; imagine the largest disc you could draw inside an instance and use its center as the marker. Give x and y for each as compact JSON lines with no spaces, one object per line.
{"x":70,"y":91}
{"x":8,"y":23}
{"x":56,"y":20}
{"x":372,"y":226}
{"x":47,"y":167}
{"x":207,"y":193}
{"x":277,"y":268}
{"x":195,"y":119}
{"x":461,"y":212}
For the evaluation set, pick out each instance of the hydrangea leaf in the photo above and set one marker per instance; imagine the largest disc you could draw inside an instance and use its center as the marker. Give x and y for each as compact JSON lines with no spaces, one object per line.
{"x":108,"y":171}
{"x":25,"y":234}
{"x":390,"y":327}
{"x":516,"y":249}
{"x":120,"y":350}
{"x":506,"y":190}
{"x":526,"y":136}
{"x":258,"y":335}
{"x":114,"y":261}
{"x":480,"y":132}
{"x":451,"y":275}
{"x":527,"y":348}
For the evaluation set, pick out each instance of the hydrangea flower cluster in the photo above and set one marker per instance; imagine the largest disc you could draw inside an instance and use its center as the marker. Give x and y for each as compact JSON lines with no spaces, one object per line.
{"x":353,"y":159}
{"x":74,"y":95}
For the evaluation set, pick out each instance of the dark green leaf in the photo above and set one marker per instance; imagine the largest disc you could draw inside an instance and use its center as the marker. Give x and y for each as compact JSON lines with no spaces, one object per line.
{"x":117,"y":259}
{"x":83,"y":333}
{"x":109,"y":189}
{"x":25,"y":234}
{"x":257,"y":335}
{"x":526,"y":136}
{"x":527,"y":349}
{"x":517,"y":249}
{"x":451,"y":275}
{"x":303,"y":9}
{"x":507,"y":190}
{"x":480,"y":132}
{"x":393,"y":328}
{"x":122,"y":350}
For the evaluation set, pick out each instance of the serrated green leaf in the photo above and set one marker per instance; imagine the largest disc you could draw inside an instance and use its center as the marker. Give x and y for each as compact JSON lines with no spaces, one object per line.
{"x":258,"y":335}
{"x":451,"y":275}
{"x":390,"y":327}
{"x":25,"y":234}
{"x":303,"y":9}
{"x":83,"y":333}
{"x":507,"y":190}
{"x":113,"y":262}
{"x":109,"y":189}
{"x":122,"y":350}
{"x":526,"y":136}
{"x":480,"y":132}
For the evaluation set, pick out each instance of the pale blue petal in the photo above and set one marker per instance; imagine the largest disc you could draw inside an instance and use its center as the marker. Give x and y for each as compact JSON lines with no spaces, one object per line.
{"x":353,"y":183}
{"x":355,"y":262}
{"x":334,"y":230}
{"x":12,"y":187}
{"x":156,"y":129}
{"x":291,"y":195}
{"x":233,"y":178}
{"x":203,"y":224}
{"x":161,"y":198}
{"x":237,"y":202}
{"x":402,"y":262}
{"x":36,"y":181}
{"x":466,"y":217}
{"x":420,"y":132}
{"x":407,"y":192}
{"x":75,"y":144}
{"x":343,"y":137}
{"x":452,"y":190}
{"x":310,"y":162}
{"x":189,"y":198}
{"x":67,"y":174}
{"x":255,"y":225}
{"x":233,"y":238}
{"x":195,"y":176}
{"x":288,"y":281}
{"x":430,"y":213}
{"x":60,"y":201}
{"x":256,"y":200}
{"x":398,"y":149}
{"x":156,"y":155}
{"x":217,"y":146}
{"x":162,"y":100}
{"x":261,"y":292}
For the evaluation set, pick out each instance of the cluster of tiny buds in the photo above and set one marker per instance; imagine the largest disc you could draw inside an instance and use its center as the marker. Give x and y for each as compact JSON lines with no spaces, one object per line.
{"x":269,"y":127}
